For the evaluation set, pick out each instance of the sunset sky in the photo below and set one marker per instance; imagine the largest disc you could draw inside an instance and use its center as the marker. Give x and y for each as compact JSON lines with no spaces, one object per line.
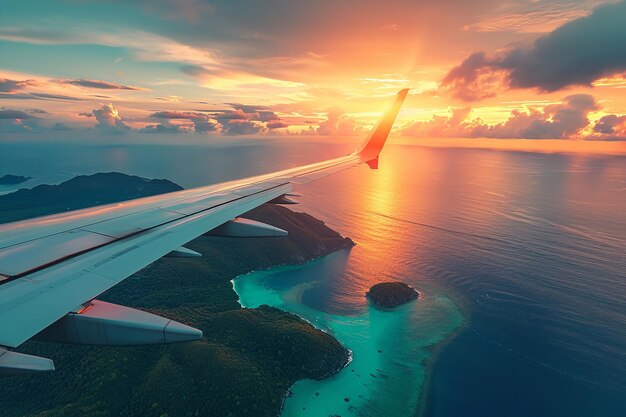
{"x":533,"y":69}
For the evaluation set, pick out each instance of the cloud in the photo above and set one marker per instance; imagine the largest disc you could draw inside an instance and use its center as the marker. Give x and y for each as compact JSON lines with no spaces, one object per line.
{"x":104,"y":85}
{"x":248,"y":119}
{"x":453,"y":125}
{"x":109,"y":119}
{"x":612,"y":127}
{"x":202,"y":123}
{"x":237,"y":122}
{"x":337,"y":123}
{"x":9,"y":86}
{"x":10,"y":90}
{"x":577,"y":53}
{"x":240,"y":127}
{"x":36,"y":96}
{"x":15,"y":114}
{"x":538,"y":16}
{"x":17,"y":121}
{"x":255,"y":112}
{"x":568,"y":119}
{"x":45,"y":96}
{"x":243,"y":120}
{"x":205,"y":125}
{"x":165,"y":127}
{"x":277,"y":124}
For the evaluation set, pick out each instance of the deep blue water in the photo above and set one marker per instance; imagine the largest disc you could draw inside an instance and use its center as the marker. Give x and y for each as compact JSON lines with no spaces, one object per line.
{"x":530,"y":246}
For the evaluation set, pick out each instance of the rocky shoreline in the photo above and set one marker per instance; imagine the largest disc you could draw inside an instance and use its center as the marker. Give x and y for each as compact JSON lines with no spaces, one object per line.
{"x":391,"y":294}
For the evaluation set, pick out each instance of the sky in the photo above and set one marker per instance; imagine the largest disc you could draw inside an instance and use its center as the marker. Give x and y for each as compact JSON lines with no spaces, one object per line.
{"x":521,"y":69}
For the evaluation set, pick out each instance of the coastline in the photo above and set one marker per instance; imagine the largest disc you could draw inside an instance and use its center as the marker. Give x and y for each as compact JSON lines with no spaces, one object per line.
{"x":380,"y":368}
{"x":246,"y":356}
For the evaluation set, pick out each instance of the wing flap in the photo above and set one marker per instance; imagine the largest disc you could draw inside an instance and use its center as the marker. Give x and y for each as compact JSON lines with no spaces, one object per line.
{"x":39,"y":299}
{"x":133,"y":223}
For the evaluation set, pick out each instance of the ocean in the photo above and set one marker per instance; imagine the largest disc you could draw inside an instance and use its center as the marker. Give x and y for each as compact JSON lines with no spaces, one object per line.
{"x":519,"y":258}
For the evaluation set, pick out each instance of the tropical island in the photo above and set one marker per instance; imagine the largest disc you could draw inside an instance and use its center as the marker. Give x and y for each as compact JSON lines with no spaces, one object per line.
{"x":391,"y":294}
{"x":9,"y":179}
{"x":248,"y":358}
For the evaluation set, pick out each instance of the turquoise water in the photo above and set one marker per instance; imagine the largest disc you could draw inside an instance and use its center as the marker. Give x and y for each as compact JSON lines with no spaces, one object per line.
{"x":390,"y":349}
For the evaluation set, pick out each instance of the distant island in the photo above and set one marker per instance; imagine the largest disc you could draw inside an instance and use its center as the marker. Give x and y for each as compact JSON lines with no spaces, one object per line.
{"x":9,"y":179}
{"x":391,"y":294}
{"x":248,"y":359}
{"x":79,"y":192}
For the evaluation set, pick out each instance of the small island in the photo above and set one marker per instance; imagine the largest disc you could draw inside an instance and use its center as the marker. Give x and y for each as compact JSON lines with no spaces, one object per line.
{"x":13,"y":179}
{"x":391,"y":294}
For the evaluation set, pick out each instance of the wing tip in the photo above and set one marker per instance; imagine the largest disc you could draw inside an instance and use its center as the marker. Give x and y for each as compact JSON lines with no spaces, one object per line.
{"x":376,"y":140}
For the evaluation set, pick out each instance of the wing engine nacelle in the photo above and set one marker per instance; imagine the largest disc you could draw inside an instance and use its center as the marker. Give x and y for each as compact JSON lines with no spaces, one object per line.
{"x":102,"y":323}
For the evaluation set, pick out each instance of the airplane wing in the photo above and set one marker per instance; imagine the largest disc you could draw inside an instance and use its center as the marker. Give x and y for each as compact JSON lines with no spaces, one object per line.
{"x":52,"y":268}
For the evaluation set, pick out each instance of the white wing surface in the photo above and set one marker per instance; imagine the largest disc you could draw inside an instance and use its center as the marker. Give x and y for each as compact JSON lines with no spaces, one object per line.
{"x":52,"y":268}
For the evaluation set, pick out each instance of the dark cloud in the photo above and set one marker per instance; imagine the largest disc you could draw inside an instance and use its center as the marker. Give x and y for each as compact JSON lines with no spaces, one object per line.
{"x":15,"y":114}
{"x":277,"y":124}
{"x":205,"y":125}
{"x":16,"y":96}
{"x":259,"y":113}
{"x":248,"y":119}
{"x":177,"y":115}
{"x":557,"y":121}
{"x":9,"y":86}
{"x":243,"y":120}
{"x":577,"y":53}
{"x":240,"y":127}
{"x":46,"y":96}
{"x":237,"y":122}
{"x":18,"y":121}
{"x":109,"y":119}
{"x":232,"y":115}
{"x":202,"y":123}
{"x":86,"y":114}
{"x":165,"y":127}
{"x":104,"y":85}
{"x":611,"y":125}
{"x":36,"y":96}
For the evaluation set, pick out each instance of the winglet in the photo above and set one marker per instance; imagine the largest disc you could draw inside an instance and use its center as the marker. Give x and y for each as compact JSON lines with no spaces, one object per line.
{"x":376,"y":140}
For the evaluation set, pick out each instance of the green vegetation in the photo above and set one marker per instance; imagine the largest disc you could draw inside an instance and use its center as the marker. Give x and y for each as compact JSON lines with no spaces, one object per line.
{"x":391,"y":294}
{"x":244,"y":366}
{"x":79,"y":192}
